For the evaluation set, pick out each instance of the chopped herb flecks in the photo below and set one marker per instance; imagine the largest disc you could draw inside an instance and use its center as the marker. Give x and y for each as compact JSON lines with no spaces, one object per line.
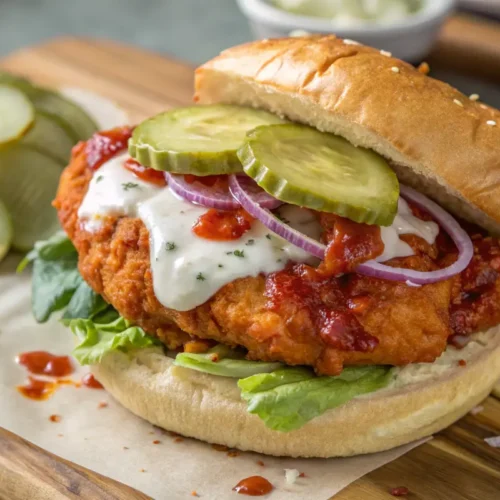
{"x":249,"y":243}
{"x":239,"y":253}
{"x":268,"y":236}
{"x":129,"y":185}
{"x":99,"y":178}
{"x":200,"y":277}
{"x":220,"y":265}
{"x":229,"y":253}
{"x":279,"y":260}
{"x":170,"y":245}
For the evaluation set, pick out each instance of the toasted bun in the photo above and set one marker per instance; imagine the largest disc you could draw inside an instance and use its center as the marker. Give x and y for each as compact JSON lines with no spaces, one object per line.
{"x":435,"y":138}
{"x":423,"y":399}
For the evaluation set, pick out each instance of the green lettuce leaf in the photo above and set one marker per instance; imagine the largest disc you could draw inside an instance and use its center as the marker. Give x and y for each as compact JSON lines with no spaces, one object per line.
{"x":54,"y":283}
{"x":228,"y":364}
{"x":288,"y":398}
{"x":85,"y":304}
{"x":98,"y":339}
{"x":56,"y":247}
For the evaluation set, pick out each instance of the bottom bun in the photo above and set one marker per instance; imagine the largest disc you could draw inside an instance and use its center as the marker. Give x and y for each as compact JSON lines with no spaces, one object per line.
{"x":422,"y":399}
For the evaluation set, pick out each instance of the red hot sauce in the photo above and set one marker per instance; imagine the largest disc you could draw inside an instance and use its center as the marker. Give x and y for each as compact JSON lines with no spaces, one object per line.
{"x":91,"y":382}
{"x":102,"y":146}
{"x":254,"y":486}
{"x":45,"y":363}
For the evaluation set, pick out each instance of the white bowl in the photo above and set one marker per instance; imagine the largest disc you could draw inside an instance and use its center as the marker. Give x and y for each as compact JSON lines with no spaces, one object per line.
{"x":410,"y":39}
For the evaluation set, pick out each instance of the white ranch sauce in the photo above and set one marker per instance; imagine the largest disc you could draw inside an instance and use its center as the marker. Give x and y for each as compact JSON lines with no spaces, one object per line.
{"x":187,"y":270}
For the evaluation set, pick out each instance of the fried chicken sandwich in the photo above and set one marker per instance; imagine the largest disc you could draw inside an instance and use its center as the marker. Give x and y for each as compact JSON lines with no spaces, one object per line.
{"x":303,"y":263}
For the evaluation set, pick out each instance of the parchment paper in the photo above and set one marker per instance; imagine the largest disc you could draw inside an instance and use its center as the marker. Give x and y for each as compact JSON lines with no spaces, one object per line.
{"x":95,"y":437}
{"x":112,"y":441}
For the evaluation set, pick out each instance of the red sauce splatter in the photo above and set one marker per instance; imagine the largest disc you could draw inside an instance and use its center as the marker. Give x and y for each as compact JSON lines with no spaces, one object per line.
{"x":55,"y":418}
{"x":261,"y":463}
{"x":156,"y":441}
{"x":254,"y":486}
{"x":45,"y":363}
{"x":40,"y":390}
{"x":400,"y":491}
{"x":300,"y":290}
{"x":102,"y":146}
{"x":102,"y":404}
{"x":350,"y":244}
{"x":223,"y":225}
{"x":462,"y":362}
{"x":88,"y":380}
{"x":146,"y":174}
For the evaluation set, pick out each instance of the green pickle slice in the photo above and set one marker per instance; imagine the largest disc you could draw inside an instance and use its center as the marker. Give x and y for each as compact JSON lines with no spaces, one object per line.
{"x":302,"y":166}
{"x":16,"y":114}
{"x":28,"y":184}
{"x":50,"y":136}
{"x":77,"y":123}
{"x":6,"y":230}
{"x":199,"y":140}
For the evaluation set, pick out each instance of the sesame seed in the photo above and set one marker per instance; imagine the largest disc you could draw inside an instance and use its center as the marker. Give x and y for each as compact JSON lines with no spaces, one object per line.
{"x":458,"y":103}
{"x":474,"y":97}
{"x":351,"y":42}
{"x":395,"y":69}
{"x":386,"y":53}
{"x":491,"y":123}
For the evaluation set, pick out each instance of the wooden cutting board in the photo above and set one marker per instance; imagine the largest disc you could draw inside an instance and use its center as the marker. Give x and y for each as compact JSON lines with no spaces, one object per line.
{"x":457,"y":464}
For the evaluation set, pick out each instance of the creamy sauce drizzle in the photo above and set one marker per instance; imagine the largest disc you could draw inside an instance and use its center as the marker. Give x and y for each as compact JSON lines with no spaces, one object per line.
{"x":405,"y":223}
{"x":187,"y":270}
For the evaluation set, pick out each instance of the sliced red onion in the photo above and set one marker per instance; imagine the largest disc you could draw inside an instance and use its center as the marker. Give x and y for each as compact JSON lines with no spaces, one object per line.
{"x":257,"y":194}
{"x":200,"y":194}
{"x":210,"y":197}
{"x":449,"y":224}
{"x":370,"y":268}
{"x":237,"y":188}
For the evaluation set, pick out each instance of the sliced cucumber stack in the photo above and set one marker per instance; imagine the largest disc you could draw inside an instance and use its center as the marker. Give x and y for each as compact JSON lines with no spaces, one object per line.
{"x":50,"y":135}
{"x":199,"y":140}
{"x":6,"y":231}
{"x":302,"y":166}
{"x":17,"y":114}
{"x":76,"y":122}
{"x":28,"y":183}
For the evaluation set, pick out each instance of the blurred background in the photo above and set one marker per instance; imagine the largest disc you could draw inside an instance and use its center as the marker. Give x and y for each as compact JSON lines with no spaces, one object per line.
{"x":196,"y":30}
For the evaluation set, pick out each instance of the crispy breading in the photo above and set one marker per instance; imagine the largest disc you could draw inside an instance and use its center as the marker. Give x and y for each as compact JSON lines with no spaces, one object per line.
{"x":410,"y":323}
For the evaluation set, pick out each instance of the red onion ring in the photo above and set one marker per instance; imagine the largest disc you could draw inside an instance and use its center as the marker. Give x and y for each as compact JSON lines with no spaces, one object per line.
{"x":449,"y":224}
{"x":212,"y":198}
{"x":200,"y":194}
{"x":295,"y":237}
{"x":370,"y":268}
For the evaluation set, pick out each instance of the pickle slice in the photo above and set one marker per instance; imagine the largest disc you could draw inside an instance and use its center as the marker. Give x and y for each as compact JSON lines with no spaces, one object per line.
{"x":302,"y":166}
{"x":200,"y":140}
{"x":76,"y":121}
{"x":5,"y":231}
{"x":28,"y":184}
{"x":50,"y":136}
{"x":16,"y":114}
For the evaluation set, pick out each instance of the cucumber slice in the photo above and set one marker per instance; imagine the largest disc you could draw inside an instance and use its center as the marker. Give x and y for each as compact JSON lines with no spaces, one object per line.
{"x":76,"y":121}
{"x":302,"y":166}
{"x":6,"y":231}
{"x":200,"y":140}
{"x":16,"y":114}
{"x":28,"y":184}
{"x":50,"y":136}
{"x":79,"y":124}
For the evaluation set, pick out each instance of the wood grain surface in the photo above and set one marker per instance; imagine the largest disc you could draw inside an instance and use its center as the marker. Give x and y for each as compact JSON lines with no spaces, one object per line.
{"x":457,"y":464}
